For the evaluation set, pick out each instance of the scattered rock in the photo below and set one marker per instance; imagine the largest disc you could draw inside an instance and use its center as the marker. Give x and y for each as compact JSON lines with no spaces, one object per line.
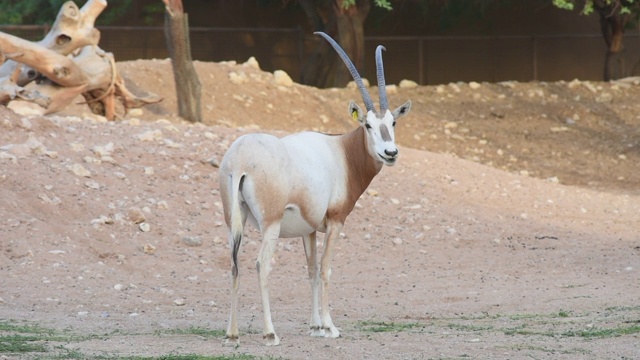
{"x":172,"y":144}
{"x":397,"y":241}
{"x":26,"y":108}
{"x":149,"y":249}
{"x":91,"y":184}
{"x":352,"y":84}
{"x":213,"y":161}
{"x":118,"y":287}
{"x":252,"y":63}
{"x":105,"y":150}
{"x":25,"y":123}
{"x":145,"y":227}
{"x":102,"y":220}
{"x":508,"y":84}
{"x":474,"y":85}
{"x":150,"y":135}
{"x":179,"y":302}
{"x":574,"y":83}
{"x":238,"y":77}
{"x":407,"y":84}
{"x":79,"y":170}
{"x":7,"y":156}
{"x":590,"y":86}
{"x":280,"y":77}
{"x":136,"y":216}
{"x":451,"y":125}
{"x":192,"y":241}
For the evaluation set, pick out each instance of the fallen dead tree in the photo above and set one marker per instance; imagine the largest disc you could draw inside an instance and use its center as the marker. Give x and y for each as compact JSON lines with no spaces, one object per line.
{"x":66,"y":63}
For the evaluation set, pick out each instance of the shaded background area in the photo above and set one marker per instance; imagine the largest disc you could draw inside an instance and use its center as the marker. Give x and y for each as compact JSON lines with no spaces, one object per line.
{"x":526,"y":41}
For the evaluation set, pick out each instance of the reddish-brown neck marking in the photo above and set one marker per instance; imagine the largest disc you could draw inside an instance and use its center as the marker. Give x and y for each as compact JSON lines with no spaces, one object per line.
{"x":361,"y":169}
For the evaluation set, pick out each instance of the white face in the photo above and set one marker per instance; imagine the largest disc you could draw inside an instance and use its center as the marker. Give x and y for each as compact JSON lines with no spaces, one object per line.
{"x":381,"y":137}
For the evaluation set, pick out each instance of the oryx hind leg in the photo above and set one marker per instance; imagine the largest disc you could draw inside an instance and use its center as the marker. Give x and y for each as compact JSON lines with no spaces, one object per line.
{"x":310,"y":250}
{"x":235,"y":243}
{"x":263,"y":265}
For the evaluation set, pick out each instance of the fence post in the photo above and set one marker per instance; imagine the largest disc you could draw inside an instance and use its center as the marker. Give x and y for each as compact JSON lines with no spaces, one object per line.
{"x":534,"y":55}
{"x":421,"y":79}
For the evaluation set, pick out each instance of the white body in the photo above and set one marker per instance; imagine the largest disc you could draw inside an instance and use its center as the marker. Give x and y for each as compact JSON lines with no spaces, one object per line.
{"x":305,"y":188}
{"x":295,"y":186}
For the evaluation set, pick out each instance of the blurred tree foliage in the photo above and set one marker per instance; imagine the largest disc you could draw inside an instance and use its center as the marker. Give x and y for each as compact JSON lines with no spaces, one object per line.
{"x":615,"y":16}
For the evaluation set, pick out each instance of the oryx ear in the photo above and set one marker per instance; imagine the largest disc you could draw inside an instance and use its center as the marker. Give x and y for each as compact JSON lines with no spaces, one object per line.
{"x":402,"y":110}
{"x":356,"y":112}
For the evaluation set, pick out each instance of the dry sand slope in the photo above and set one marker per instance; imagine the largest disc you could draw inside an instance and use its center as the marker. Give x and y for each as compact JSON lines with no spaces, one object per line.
{"x":113,"y":231}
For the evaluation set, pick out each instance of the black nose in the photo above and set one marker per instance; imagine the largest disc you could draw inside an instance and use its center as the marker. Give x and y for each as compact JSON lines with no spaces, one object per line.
{"x":391,"y":153}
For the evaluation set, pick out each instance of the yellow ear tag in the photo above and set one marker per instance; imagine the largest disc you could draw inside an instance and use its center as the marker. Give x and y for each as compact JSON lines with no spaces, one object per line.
{"x":354,"y":115}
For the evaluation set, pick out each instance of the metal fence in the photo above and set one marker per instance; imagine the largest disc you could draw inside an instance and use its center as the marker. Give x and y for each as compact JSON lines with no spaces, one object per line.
{"x":424,"y":59}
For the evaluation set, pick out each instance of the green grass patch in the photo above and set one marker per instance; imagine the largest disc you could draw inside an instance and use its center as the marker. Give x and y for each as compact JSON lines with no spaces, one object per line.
{"x":207,"y":333}
{"x":33,"y":341}
{"x":469,"y":328}
{"x":185,"y":357}
{"x":623,"y":308}
{"x":20,"y":339}
{"x":588,"y":333}
{"x":524,"y":330}
{"x":527,"y":347}
{"x":19,"y":344}
{"x":384,"y":326}
{"x":604,"y":333}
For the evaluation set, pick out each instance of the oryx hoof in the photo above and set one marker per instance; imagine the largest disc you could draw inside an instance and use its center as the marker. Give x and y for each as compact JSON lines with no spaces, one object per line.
{"x":331,"y":332}
{"x":317,"y":331}
{"x":271,"y":339}
{"x":232,"y":340}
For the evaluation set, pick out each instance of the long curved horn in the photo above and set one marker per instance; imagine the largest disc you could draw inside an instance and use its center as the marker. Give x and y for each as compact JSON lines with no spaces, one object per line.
{"x":382,"y":90}
{"x":368,"y":103}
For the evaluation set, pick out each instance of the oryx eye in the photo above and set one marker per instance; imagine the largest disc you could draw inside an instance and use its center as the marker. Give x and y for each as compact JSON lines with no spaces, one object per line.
{"x":367,"y":126}
{"x":394,"y":123}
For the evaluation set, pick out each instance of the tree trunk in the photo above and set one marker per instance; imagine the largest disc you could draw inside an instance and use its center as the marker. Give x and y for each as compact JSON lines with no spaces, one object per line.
{"x":323,"y":68}
{"x":316,"y":65}
{"x":188,"y":88}
{"x":612,"y":23}
{"x":350,"y":24}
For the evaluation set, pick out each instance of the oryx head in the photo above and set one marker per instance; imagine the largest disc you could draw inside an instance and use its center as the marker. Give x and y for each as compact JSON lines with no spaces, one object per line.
{"x":379,"y":125}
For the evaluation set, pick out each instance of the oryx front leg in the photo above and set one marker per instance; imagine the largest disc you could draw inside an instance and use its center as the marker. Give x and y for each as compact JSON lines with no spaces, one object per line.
{"x":310,"y":249}
{"x":263,"y":265}
{"x":333,"y":231}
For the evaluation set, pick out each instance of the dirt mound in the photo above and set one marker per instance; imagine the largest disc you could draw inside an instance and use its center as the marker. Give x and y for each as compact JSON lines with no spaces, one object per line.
{"x":114,"y":231}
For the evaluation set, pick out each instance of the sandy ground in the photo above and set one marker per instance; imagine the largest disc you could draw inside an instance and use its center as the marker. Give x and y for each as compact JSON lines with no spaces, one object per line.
{"x":509,"y":229}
